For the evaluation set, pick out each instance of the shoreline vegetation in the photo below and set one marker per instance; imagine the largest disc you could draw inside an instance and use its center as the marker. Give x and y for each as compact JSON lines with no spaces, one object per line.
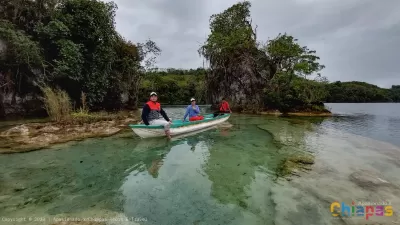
{"x":305,"y":114}
{"x":69,"y":63}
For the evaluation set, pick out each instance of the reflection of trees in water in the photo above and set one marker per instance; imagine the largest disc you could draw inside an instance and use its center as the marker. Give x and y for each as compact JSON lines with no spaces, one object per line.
{"x":160,"y":148}
{"x":155,"y":159}
{"x":156,"y":149}
{"x":80,"y":177}
{"x":89,"y":174}
{"x":233,"y":160}
{"x":192,"y":142}
{"x":394,"y":128}
{"x":155,"y":166}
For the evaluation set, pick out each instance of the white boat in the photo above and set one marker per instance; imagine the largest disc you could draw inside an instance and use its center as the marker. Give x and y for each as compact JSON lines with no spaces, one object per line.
{"x":178,"y":126}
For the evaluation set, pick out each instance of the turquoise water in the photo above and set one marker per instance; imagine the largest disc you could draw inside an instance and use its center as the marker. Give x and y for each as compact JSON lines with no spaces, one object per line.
{"x":225,"y":175}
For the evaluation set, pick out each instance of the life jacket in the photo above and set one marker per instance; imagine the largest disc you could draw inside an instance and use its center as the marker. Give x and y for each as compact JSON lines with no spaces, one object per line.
{"x":155,"y":108}
{"x":154,"y":105}
{"x":224,"y":106}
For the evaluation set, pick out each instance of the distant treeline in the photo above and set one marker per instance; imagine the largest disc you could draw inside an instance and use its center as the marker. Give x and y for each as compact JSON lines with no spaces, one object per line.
{"x":177,"y":86}
{"x":166,"y":71}
{"x":356,"y":91}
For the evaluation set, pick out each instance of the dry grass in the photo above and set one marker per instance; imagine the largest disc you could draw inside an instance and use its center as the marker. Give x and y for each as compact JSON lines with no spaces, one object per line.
{"x":82,"y":117}
{"x":59,"y":108}
{"x":83,"y":109}
{"x":57,"y":104}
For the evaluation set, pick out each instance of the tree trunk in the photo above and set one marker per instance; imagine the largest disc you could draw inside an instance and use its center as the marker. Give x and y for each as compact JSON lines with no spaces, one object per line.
{"x":14,"y":98}
{"x":132,"y":102}
{"x":133,"y":92}
{"x":2,"y":107}
{"x":133,"y":96}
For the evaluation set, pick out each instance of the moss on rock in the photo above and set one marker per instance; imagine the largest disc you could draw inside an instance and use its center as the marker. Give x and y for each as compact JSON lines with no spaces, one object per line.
{"x":291,"y":165}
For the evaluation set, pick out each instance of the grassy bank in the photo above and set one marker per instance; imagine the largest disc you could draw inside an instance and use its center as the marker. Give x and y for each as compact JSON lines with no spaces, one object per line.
{"x":66,"y":124}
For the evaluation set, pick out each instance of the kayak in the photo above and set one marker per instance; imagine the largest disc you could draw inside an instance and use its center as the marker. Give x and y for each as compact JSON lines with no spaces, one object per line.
{"x":178,"y":126}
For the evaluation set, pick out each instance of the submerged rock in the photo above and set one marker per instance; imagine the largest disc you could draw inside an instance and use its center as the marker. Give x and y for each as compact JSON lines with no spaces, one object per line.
{"x":369,"y":180}
{"x":293,"y":165}
{"x":18,"y":189}
{"x":243,"y":204}
{"x":302,"y":159}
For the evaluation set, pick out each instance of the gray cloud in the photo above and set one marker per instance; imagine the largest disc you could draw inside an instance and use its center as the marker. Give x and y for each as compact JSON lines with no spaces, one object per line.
{"x":356,"y":39}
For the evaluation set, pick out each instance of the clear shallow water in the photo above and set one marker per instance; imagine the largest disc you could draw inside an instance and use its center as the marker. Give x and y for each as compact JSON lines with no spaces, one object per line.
{"x":219,"y":176}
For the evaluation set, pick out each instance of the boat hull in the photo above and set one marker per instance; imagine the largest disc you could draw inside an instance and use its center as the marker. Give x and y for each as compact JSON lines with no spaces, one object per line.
{"x":144,"y":132}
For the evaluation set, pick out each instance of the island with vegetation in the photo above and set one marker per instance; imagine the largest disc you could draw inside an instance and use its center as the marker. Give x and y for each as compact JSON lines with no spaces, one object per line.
{"x":64,"y":59}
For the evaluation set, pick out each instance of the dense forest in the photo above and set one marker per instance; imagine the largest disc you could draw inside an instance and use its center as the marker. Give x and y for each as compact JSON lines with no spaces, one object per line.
{"x":335,"y":92}
{"x":71,"y":46}
{"x":361,"y":92}
{"x":69,"y":50}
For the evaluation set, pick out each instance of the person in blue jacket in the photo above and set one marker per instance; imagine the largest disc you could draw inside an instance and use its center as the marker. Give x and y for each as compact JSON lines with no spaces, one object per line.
{"x":193,"y":111}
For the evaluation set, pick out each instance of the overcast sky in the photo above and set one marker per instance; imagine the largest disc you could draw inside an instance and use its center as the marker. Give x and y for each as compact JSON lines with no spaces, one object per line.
{"x":356,"y":39}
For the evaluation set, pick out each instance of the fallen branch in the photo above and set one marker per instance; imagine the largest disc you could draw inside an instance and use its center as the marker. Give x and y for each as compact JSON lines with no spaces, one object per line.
{"x":3,"y":85}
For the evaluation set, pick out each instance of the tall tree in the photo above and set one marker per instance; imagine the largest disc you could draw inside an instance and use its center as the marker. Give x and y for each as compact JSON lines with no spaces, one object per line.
{"x":20,"y":59}
{"x":79,"y":43}
{"x":291,"y":58}
{"x":293,"y":61}
{"x":73,"y":45}
{"x":25,"y":14}
{"x":234,"y":58}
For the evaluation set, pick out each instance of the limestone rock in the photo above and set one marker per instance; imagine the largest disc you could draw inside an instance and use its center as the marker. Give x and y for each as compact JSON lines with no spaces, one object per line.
{"x":35,"y":136}
{"x":44,"y":138}
{"x":110,"y":130}
{"x":49,"y":129}
{"x":79,"y":129}
{"x":129,"y":120}
{"x":21,"y":130}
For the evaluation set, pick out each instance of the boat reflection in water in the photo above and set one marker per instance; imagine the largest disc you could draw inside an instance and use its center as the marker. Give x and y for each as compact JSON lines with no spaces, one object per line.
{"x":161,"y":146}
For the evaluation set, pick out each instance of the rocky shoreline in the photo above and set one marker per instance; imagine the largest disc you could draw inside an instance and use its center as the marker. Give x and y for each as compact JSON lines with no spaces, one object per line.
{"x":34,"y":136}
{"x":311,"y":114}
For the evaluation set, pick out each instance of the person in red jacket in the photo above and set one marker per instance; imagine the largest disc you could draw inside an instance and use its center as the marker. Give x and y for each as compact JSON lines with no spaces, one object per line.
{"x":152,"y":112}
{"x":223,"y":108}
